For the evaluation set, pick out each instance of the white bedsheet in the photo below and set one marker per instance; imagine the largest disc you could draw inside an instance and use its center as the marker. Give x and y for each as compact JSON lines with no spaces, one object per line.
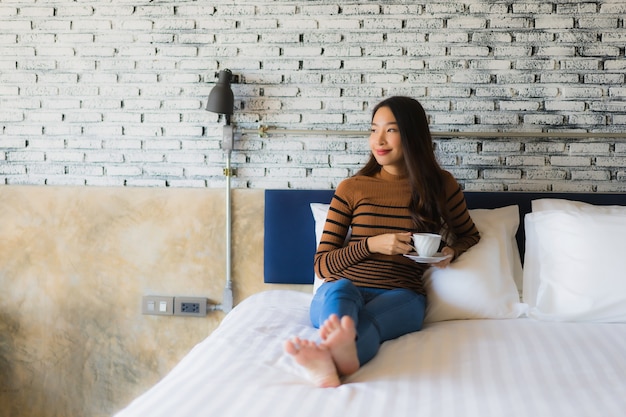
{"x":518,"y":367}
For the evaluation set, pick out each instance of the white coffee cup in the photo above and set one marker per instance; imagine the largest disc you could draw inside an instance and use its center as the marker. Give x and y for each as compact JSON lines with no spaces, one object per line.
{"x":426,"y":244}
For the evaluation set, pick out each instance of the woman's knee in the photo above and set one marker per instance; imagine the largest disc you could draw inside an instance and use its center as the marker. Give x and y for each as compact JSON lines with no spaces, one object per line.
{"x":342,"y":288}
{"x":339,"y":297}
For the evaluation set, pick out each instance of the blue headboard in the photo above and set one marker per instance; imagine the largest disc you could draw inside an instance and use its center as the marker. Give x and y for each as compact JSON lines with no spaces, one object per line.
{"x":289,"y":240}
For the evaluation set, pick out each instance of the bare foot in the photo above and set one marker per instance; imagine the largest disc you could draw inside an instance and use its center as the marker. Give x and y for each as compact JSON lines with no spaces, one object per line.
{"x":339,"y":336}
{"x":316,"y":359}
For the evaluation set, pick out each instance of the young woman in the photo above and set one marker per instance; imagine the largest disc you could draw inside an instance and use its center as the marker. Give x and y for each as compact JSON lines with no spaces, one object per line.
{"x":371,"y":292}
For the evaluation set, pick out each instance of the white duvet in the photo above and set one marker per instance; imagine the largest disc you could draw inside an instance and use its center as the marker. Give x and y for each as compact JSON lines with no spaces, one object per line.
{"x":513,"y":367}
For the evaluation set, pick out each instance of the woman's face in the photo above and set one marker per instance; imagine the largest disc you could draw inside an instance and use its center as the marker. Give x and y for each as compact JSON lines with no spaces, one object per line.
{"x":385,"y":142}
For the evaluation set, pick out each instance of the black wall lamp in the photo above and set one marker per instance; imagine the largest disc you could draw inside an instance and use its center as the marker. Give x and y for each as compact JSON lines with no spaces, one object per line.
{"x":221,"y":101}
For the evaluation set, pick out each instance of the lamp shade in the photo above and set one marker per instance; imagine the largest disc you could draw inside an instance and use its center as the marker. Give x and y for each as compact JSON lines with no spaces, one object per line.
{"x":221,"y":99}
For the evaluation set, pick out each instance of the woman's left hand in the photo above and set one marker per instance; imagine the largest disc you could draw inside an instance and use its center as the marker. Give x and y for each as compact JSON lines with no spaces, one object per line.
{"x":445,"y":262}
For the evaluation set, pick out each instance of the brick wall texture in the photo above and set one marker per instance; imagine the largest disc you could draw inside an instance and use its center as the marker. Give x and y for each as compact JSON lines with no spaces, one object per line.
{"x":112,"y":93}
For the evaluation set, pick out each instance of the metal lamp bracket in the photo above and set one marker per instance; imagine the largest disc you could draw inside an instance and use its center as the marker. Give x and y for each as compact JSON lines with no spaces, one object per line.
{"x":228,"y":137}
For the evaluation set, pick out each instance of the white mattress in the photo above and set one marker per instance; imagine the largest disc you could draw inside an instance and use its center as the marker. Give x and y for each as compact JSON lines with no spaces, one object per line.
{"x":518,"y":367}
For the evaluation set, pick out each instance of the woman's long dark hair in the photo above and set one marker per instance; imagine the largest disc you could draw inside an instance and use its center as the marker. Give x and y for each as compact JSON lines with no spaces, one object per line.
{"x":425,"y":175}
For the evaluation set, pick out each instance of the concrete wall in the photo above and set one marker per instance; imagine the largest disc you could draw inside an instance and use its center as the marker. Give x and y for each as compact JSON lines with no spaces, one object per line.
{"x":74,"y":265}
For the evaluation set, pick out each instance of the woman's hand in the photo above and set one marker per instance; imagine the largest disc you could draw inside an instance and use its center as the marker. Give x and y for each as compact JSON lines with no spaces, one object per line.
{"x":391,"y":243}
{"x":445,"y":262}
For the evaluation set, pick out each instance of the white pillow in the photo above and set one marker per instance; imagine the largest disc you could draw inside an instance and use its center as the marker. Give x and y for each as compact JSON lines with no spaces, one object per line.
{"x":545,"y":204}
{"x":320,"y":211}
{"x":481,"y":283}
{"x":575,"y":267}
{"x":531,"y":281}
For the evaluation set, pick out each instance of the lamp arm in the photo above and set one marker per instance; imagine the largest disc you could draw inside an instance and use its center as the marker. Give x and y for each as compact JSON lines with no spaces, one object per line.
{"x":227,"y":298}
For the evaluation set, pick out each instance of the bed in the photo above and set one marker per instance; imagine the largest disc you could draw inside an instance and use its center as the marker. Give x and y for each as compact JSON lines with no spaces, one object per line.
{"x":548,"y":339}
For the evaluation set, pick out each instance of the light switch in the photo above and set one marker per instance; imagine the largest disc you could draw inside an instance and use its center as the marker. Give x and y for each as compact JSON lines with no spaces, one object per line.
{"x":159,"y":305}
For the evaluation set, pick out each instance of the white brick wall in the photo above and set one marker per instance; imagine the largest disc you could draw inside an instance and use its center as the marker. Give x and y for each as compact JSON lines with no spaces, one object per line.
{"x":113,"y":93}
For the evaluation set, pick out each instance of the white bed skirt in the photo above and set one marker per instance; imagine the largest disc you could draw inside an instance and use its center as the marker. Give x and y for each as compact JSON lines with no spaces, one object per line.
{"x":482,"y":368}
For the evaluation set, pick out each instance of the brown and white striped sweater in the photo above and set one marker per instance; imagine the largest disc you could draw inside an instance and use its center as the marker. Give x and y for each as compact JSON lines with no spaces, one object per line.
{"x":377,"y":205}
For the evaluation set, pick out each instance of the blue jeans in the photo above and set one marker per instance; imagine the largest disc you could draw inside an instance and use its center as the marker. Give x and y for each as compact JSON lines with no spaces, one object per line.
{"x":379,"y":314}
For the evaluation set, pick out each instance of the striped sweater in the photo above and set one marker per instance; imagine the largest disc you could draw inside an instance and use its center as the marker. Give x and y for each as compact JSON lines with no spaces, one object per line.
{"x":377,"y":205}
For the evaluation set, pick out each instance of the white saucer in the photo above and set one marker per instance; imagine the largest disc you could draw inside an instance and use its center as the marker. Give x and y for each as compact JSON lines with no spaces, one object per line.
{"x":427,"y":259}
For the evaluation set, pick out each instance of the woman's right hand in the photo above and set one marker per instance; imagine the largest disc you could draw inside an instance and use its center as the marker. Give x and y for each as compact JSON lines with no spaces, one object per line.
{"x":391,"y":243}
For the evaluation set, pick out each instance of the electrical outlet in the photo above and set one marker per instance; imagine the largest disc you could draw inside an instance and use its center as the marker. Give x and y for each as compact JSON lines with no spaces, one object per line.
{"x":157,"y":305}
{"x":190,"y":306}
